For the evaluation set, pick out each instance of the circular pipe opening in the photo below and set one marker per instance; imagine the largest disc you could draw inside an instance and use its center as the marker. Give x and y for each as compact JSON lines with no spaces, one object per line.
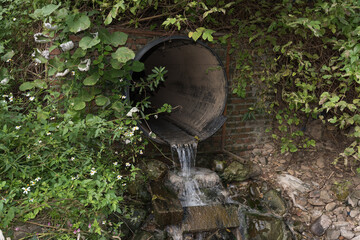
{"x":195,"y":86}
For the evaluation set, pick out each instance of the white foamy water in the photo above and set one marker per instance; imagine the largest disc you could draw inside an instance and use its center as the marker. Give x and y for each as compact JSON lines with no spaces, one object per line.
{"x":191,"y":194}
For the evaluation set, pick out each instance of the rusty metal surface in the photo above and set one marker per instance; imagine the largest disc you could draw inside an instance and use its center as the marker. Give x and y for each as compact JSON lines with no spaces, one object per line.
{"x":195,"y":86}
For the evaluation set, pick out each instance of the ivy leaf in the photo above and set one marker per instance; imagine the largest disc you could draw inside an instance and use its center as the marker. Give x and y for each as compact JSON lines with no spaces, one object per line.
{"x":101,"y":100}
{"x":45,"y":11}
{"x":39,"y":83}
{"x":8,"y":56}
{"x":207,"y":35}
{"x":79,"y":104}
{"x":79,"y":53}
{"x":88,"y":42}
{"x":26,"y":86}
{"x":123,"y":54}
{"x":78,"y":23}
{"x":118,"y":38}
{"x":138,"y":66}
{"x":91,"y":80}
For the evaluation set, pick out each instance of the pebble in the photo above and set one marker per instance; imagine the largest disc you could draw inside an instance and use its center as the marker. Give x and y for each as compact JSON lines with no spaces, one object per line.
{"x":354,"y":213}
{"x":320,"y":225}
{"x":346,"y":233}
{"x":356,"y":238}
{"x":330,"y":206}
{"x":316,"y":202}
{"x":341,"y":224}
{"x":357,"y":229}
{"x":332,"y":234}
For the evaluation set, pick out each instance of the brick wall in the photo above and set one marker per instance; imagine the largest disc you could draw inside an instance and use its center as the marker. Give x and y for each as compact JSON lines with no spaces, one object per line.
{"x":237,"y":135}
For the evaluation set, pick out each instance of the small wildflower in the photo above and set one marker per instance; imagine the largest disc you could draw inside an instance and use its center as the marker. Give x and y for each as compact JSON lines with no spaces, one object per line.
{"x":48,"y":133}
{"x":115,"y":163}
{"x":14,"y":19}
{"x":132,"y":110}
{"x":9,"y":60}
{"x":38,"y":179}
{"x":72,"y":158}
{"x":28,"y":156}
{"x":116,"y":152}
{"x":3,"y":199}
{"x":124,"y":184}
{"x":119,"y":177}
{"x":93,"y":171}
{"x":121,"y":80}
{"x":32,"y":183}
{"x":127,"y":141}
{"x":75,"y":231}
{"x":103,"y":222}
{"x":31,"y":98}
{"x":127,"y":164}
{"x":26,"y":190}
{"x":11,"y":98}
{"x":52,"y":118}
{"x":141,"y":151}
{"x":39,"y":141}
{"x":123,"y":97}
{"x":156,"y":116}
{"x":135,"y":128}
{"x":78,"y":230}
{"x":27,"y":95}
{"x":73,"y":178}
{"x":4,"y":81}
{"x":31,"y":200}
{"x":73,"y":73}
{"x":89,"y":226}
{"x":17,"y":127}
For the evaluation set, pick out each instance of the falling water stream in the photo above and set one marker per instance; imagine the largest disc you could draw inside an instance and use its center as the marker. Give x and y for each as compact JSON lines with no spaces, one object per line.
{"x":191,"y":194}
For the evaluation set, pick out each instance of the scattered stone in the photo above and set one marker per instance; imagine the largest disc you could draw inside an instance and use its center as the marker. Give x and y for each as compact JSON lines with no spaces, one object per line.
{"x":357,"y":229}
{"x":340,"y":224}
{"x":354,"y":213}
{"x":356,"y":238}
{"x":320,"y":225}
{"x":218,"y":166}
{"x":320,"y":162}
{"x":314,"y":194}
{"x":316,"y":214}
{"x":325,"y":196}
{"x":330,"y":206}
{"x":346,"y":233}
{"x":291,"y":183}
{"x":316,"y":202}
{"x":332,"y":234}
{"x":352,"y":202}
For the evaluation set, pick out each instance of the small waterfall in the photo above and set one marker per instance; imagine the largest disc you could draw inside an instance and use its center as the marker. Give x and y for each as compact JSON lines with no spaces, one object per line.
{"x":191,"y":194}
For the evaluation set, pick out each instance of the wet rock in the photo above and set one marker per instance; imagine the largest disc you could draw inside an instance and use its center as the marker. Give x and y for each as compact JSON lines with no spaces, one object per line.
{"x":142,"y":235}
{"x":265,"y":227}
{"x":330,"y":206}
{"x":238,"y":172}
{"x":210,"y":217}
{"x":156,"y":170}
{"x":332,"y":234}
{"x":320,"y":162}
{"x":167,"y":207}
{"x":346,"y":233}
{"x":273,"y":200}
{"x":320,"y":225}
{"x":293,"y":184}
{"x":138,"y":188}
{"x":218,"y":165}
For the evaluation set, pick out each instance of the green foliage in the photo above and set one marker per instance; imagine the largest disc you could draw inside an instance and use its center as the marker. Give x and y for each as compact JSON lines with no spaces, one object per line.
{"x":69,"y":140}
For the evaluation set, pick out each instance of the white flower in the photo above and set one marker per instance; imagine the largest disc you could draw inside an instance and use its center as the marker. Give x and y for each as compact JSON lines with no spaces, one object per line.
{"x":31,"y":200}
{"x":52,"y":118}
{"x":32,"y":182}
{"x":84,"y":65}
{"x":115,"y":163}
{"x":26,"y":190}
{"x":39,"y":141}
{"x":127,"y":141}
{"x":27,"y":95}
{"x":124,"y":184}
{"x":121,"y":80}
{"x":62,"y":74}
{"x":123,"y":97}
{"x":31,"y":98}
{"x":73,"y":178}
{"x":17,"y":127}
{"x":11,"y":98}
{"x":133,"y":110}
{"x":38,"y":40}
{"x":48,"y":133}
{"x":5,"y":95}
{"x":14,"y":19}
{"x":116,"y":152}
{"x":127,"y":164}
{"x":38,"y":179}
{"x":9,"y":60}
{"x":103,"y":222}
{"x":28,"y":156}
{"x":50,"y":27}
{"x":119,"y":177}
{"x":93,"y":171}
{"x":73,"y":73}
{"x":135,"y":128}
{"x":67,"y":46}
{"x":156,"y":116}
{"x":72,"y":158}
{"x":4,"y":81}
{"x":141,"y":151}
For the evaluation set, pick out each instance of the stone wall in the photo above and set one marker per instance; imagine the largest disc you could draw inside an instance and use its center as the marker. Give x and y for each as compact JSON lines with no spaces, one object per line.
{"x":237,"y":135}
